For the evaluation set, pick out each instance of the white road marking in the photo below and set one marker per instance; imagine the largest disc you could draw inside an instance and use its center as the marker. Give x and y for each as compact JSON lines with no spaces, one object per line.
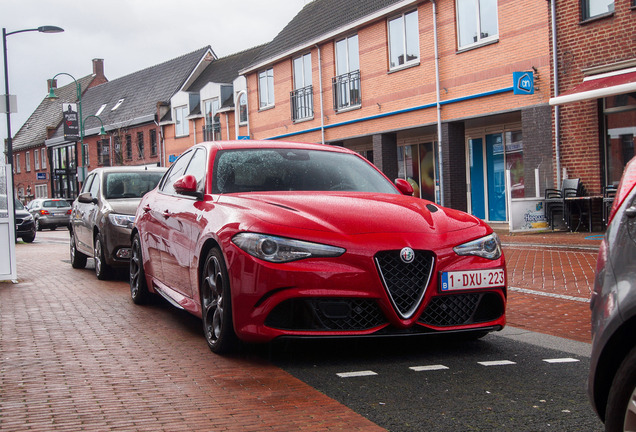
{"x":497,"y":363}
{"x":561,"y":360}
{"x":428,"y":368}
{"x":356,"y":374}
{"x":547,"y":294}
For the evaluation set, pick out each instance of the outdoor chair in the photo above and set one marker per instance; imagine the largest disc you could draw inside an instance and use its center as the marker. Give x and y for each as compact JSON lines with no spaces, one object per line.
{"x":555,"y":200}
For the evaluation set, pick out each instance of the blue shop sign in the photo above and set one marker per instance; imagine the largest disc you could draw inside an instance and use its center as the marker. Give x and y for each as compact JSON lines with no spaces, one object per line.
{"x":523,"y":83}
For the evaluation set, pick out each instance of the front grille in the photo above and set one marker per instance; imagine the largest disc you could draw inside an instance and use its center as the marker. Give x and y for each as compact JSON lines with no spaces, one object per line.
{"x":462,"y":309}
{"x":405,"y":283}
{"x":326,"y":314}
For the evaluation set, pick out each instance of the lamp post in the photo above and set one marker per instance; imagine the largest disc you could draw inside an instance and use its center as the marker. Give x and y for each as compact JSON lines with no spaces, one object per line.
{"x":5,"y":34}
{"x":82,"y":121}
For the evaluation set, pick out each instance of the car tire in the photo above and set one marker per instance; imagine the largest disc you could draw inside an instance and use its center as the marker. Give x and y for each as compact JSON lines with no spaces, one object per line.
{"x":28,"y":238}
{"x":619,"y":412}
{"x":216,"y":304}
{"x":102,"y":270}
{"x":138,"y":286}
{"x":78,"y":259}
{"x":38,"y":227}
{"x":53,"y":227}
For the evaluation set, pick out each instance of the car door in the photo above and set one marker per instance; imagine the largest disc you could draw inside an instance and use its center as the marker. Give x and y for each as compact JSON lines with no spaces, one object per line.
{"x":182,"y":232}
{"x":83,"y":213}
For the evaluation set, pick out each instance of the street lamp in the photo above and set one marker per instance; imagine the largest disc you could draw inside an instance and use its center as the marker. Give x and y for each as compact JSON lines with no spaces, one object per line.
{"x":41,"y":29}
{"x":102,"y":132}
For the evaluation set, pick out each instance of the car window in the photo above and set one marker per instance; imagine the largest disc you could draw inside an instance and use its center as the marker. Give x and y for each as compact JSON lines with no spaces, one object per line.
{"x":95,"y":187}
{"x":250,"y":170}
{"x":87,"y":184}
{"x":196,"y":167}
{"x":130,"y":184}
{"x":176,"y":170}
{"x":55,"y":204}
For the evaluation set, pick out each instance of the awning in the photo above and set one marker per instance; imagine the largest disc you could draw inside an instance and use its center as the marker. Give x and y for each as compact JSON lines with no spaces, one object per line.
{"x":599,"y":86}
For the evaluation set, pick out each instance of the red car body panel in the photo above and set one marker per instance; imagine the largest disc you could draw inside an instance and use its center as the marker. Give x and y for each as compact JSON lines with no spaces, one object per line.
{"x":176,"y":232}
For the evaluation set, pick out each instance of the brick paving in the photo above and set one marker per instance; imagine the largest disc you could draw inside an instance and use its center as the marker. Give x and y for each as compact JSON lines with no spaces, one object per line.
{"x":77,"y":354}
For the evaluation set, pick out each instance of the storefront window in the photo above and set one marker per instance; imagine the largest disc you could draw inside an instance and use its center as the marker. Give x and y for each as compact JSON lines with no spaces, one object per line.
{"x":514,"y":163}
{"x":416,"y":164}
{"x":620,"y":121}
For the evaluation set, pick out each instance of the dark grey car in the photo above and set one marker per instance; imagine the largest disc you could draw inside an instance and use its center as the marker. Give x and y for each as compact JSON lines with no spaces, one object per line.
{"x":103,"y":215}
{"x":612,"y":379}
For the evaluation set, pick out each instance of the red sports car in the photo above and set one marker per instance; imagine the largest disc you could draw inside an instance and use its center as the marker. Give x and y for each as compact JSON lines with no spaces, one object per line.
{"x":264,"y":239}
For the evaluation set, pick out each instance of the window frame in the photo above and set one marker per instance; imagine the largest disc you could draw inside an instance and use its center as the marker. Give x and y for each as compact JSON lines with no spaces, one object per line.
{"x":36,"y":159}
{"x":27,"y":161}
{"x":586,"y":14}
{"x":405,"y":39}
{"x":140,"y":145}
{"x":476,"y":13}
{"x":243,"y":109}
{"x":181,"y":123}
{"x":266,"y":81}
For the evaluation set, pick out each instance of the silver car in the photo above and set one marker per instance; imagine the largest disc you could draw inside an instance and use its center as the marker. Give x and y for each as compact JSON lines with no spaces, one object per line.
{"x":50,"y":212}
{"x":103,"y":215}
{"x":612,"y":379}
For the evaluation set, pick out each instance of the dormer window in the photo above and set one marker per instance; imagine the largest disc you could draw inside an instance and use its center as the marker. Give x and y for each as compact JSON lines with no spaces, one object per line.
{"x":119,"y":102}
{"x":101,"y":108}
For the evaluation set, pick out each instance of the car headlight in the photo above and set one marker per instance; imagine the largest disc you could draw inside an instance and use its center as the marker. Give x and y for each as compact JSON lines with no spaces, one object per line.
{"x":120,"y":220}
{"x":28,"y":218}
{"x":280,"y":250}
{"x":485,"y":247}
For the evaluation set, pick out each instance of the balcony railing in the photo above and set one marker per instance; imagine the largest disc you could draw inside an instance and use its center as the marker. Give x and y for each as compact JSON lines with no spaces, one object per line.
{"x":346,"y":91}
{"x":302,"y":103}
{"x":212,"y":132}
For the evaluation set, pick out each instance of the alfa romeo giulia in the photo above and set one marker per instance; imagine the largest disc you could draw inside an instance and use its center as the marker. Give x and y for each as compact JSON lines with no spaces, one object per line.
{"x":264,"y":239}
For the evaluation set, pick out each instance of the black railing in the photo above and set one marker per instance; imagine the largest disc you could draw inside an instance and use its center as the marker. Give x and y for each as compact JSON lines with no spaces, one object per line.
{"x":346,"y":91}
{"x":212,"y":132}
{"x":302,"y":103}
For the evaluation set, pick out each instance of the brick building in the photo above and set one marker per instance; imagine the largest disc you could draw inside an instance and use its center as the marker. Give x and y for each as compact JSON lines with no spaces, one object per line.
{"x":32,"y":171}
{"x":129,"y":108}
{"x":595,"y":102}
{"x":392,"y":79}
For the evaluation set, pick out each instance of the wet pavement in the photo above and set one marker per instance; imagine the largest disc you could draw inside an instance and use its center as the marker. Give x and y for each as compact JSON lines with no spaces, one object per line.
{"x":77,"y":354}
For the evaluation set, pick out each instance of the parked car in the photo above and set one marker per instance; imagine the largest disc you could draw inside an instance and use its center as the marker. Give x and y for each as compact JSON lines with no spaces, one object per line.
{"x":267,"y":239}
{"x":612,"y":379}
{"x":24,"y":226}
{"x":50,"y":212}
{"x":103,"y":214}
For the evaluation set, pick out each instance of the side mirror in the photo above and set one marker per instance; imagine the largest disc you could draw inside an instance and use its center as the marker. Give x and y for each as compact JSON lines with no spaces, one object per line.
{"x":404,"y":187}
{"x":86,"y":198}
{"x":187,"y":185}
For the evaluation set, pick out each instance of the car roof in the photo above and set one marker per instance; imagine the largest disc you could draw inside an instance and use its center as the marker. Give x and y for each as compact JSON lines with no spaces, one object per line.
{"x":135,"y":168}
{"x":268,"y":144}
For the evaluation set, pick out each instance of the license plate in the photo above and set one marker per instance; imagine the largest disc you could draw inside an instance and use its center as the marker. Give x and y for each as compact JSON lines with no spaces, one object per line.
{"x":472,"y":279}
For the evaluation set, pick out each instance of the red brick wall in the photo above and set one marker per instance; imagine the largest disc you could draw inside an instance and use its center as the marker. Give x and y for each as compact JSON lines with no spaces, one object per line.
{"x":583,"y":45}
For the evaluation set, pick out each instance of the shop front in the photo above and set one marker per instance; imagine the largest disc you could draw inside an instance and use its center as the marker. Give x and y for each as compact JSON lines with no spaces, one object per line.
{"x":64,"y":170}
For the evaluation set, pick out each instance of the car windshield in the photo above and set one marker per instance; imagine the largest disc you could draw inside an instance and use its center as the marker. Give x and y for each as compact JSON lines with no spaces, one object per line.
{"x":259,"y":170}
{"x":130,"y":184}
{"x":18,"y":205}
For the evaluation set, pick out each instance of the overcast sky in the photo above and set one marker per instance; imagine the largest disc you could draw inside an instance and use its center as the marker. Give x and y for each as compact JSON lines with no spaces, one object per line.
{"x":129,"y":35}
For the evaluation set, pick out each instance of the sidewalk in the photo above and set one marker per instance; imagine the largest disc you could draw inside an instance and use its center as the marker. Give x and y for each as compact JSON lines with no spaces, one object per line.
{"x":550,"y":278}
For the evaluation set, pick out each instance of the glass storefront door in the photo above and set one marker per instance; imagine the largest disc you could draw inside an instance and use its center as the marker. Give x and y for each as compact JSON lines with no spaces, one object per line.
{"x":417,"y":164}
{"x":64,"y":171}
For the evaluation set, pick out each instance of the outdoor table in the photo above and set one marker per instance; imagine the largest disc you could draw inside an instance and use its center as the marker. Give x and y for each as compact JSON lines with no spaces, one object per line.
{"x":581,"y":205}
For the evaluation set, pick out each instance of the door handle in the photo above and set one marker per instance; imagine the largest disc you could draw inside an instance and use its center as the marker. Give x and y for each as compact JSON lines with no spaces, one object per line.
{"x":166,"y":214}
{"x":146,"y":208}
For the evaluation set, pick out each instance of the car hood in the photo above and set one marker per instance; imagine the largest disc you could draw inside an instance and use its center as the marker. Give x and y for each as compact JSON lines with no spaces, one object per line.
{"x":127,"y":206}
{"x":353,"y":213}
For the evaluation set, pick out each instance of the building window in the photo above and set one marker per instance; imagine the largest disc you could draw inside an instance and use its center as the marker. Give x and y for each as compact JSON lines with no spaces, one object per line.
{"x":36,"y":159}
{"x":117,"y":105}
{"x":103,"y":152}
{"x":594,"y":8}
{"x":27,"y":161}
{"x":302,"y":98}
{"x":86,"y":156}
{"x":153,"y":142}
{"x":620,"y":122}
{"x":43,"y":158}
{"x":117,"y":153}
{"x":266,"y":88}
{"x":243,"y":107}
{"x":346,"y":85}
{"x":212,"y":126}
{"x":476,"y":22}
{"x":17,"y":164}
{"x":100,"y":110}
{"x":140,"y":145}
{"x":181,"y":128}
{"x":128,"y":146}
{"x":404,"y":41}
{"x":41,"y":191}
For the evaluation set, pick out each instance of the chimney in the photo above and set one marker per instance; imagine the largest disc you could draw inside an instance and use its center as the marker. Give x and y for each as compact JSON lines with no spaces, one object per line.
{"x":98,"y":70}
{"x":50,"y":83}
